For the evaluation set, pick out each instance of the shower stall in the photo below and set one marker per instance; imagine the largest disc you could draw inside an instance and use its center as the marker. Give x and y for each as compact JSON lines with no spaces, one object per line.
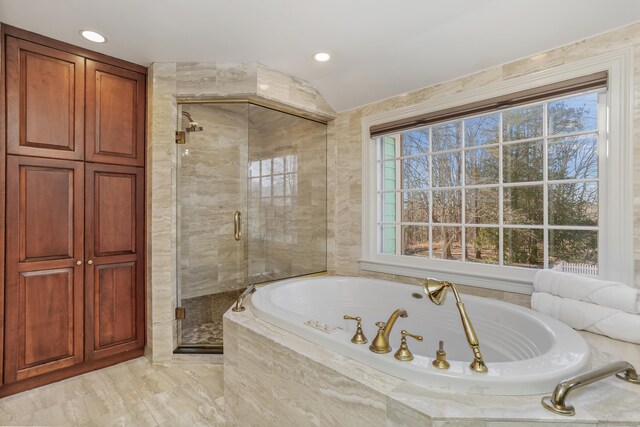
{"x":251,"y":208}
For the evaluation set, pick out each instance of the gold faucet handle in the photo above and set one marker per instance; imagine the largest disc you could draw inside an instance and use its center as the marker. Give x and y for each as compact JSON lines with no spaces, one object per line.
{"x":359,"y":337}
{"x":380,"y":325}
{"x":407,"y":334}
{"x":404,"y":354}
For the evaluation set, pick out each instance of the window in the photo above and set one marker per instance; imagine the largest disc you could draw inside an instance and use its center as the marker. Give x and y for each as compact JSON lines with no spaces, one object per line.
{"x":489,"y":196}
{"x":516,"y":187}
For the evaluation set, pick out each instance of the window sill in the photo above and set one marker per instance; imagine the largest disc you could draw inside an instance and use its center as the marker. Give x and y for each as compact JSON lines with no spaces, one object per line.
{"x":456,"y":274}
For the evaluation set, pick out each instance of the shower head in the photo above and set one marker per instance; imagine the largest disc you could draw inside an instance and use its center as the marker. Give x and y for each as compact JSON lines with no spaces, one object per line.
{"x":193,"y":125}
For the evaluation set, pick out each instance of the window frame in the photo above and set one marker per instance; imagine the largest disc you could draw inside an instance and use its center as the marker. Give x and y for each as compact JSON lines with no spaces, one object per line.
{"x":616,"y":258}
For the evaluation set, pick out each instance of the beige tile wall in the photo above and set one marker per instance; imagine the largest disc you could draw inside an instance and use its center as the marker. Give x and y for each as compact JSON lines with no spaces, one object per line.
{"x":166,"y":82}
{"x":345,"y":155}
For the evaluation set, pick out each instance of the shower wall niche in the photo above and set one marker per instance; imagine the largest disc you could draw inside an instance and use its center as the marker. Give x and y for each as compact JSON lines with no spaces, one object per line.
{"x":251,"y":208}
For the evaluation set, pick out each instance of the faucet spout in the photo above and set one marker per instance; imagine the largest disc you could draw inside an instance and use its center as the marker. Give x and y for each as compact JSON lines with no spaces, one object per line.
{"x":381,"y":342}
{"x":401,"y":312}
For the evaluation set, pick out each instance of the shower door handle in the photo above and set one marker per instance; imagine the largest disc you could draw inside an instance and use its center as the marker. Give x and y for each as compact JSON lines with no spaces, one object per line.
{"x":237,"y":225}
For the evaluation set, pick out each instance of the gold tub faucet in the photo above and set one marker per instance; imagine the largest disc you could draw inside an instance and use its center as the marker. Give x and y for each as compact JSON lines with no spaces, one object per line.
{"x":381,"y":342}
{"x":436,"y":290}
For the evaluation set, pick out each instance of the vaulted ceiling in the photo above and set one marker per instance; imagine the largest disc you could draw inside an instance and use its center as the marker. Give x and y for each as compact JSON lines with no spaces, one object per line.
{"x":379,"y":48}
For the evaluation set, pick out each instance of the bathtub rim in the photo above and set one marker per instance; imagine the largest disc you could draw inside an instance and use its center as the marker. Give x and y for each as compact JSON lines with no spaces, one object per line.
{"x":503,"y":378}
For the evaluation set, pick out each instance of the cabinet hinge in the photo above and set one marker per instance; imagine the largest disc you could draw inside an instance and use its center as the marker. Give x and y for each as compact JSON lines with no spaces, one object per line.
{"x":180,"y":313}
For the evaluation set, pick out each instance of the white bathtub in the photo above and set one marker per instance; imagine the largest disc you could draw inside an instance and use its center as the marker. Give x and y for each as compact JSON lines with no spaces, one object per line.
{"x":526,"y":352}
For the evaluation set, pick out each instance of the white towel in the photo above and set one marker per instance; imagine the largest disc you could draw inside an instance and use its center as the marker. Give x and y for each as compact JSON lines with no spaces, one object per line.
{"x":608,"y":294}
{"x":589,"y":317}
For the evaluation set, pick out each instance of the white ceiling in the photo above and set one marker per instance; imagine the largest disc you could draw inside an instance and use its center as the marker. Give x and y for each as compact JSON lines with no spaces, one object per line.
{"x":380,"y":48}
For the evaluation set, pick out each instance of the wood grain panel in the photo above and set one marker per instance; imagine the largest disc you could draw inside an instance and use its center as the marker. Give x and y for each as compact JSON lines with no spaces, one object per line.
{"x":114,"y":303}
{"x":44,"y":293}
{"x":115,"y":129}
{"x":46,"y":210}
{"x":46,"y":316}
{"x":45,"y":101}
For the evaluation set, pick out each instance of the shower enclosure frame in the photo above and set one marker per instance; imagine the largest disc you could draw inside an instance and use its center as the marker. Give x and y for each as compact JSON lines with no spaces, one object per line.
{"x":249,"y":100}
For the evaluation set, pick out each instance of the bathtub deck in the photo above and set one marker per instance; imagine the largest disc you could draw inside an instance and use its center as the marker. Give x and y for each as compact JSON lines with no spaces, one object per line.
{"x":292,"y":381}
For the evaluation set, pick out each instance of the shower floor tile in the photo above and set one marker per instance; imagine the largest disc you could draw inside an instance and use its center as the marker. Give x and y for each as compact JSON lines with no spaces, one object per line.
{"x":203,"y":322}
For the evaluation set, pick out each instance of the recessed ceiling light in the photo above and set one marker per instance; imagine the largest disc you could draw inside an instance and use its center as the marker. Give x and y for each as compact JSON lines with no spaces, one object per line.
{"x":322,"y":57}
{"x":93,"y":36}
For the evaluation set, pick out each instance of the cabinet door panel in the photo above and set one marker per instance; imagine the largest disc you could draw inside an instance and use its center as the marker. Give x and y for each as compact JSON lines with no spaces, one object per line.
{"x":44,"y":287}
{"x":114,"y":307}
{"x":114,"y":304}
{"x":45,"y":101}
{"x":115,"y":115}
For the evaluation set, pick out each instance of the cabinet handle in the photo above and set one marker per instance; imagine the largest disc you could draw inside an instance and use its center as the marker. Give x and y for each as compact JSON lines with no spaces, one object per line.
{"x":79,"y":262}
{"x":90,"y":262}
{"x":237,"y":225}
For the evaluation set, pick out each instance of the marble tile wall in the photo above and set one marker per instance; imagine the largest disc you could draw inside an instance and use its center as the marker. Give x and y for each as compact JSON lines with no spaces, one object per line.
{"x":193,"y":80}
{"x":345,"y":155}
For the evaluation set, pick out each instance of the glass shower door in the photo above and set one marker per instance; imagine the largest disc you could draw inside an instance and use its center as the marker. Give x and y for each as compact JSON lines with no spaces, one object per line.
{"x":211,"y":221}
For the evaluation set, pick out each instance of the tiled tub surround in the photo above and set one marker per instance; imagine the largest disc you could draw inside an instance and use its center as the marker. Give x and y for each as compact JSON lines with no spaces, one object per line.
{"x":273,"y":377}
{"x":525,"y":352}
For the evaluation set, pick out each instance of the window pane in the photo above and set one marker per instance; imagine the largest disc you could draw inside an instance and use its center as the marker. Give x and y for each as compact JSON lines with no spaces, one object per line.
{"x":415,"y":142}
{"x":415,"y":207}
{"x":523,"y":162}
{"x":482,"y":166}
{"x":255,"y":188}
{"x":290,"y":163}
{"x":266,"y":167}
{"x":415,"y":240}
{"x":523,"y":247}
{"x":388,"y":204}
{"x":254,"y":169}
{"x":481,"y":130}
{"x":522,"y":123}
{"x":447,"y":243}
{"x":447,"y":136}
{"x":573,"y":157}
{"x":388,"y":147}
{"x":266,"y":186}
{"x":278,"y":186}
{"x":523,"y":205}
{"x":388,"y":233}
{"x":573,"y":204}
{"x":481,"y":206}
{"x":415,"y":172}
{"x":278,"y":165}
{"x":388,"y":175}
{"x":575,"y":114}
{"x":573,"y":246}
{"x":446,"y":169}
{"x":482,"y":245}
{"x":447,"y":206}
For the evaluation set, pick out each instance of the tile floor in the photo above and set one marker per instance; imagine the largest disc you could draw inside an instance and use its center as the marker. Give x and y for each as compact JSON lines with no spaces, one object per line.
{"x":133,"y":393}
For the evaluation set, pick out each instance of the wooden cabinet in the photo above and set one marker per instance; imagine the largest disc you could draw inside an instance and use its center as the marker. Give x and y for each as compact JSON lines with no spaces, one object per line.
{"x":114,"y":243}
{"x":115,"y":115}
{"x":45,"y":101}
{"x":44,"y":286}
{"x":74,"y":290}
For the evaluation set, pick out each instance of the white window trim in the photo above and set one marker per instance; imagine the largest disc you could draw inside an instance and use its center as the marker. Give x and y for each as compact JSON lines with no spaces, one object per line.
{"x":616,"y":225}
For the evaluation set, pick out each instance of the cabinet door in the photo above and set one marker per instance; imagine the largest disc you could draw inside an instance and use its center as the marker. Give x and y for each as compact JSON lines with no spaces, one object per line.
{"x":44,"y":287}
{"x":115,"y":115}
{"x":114,"y":302}
{"x":45,"y":101}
